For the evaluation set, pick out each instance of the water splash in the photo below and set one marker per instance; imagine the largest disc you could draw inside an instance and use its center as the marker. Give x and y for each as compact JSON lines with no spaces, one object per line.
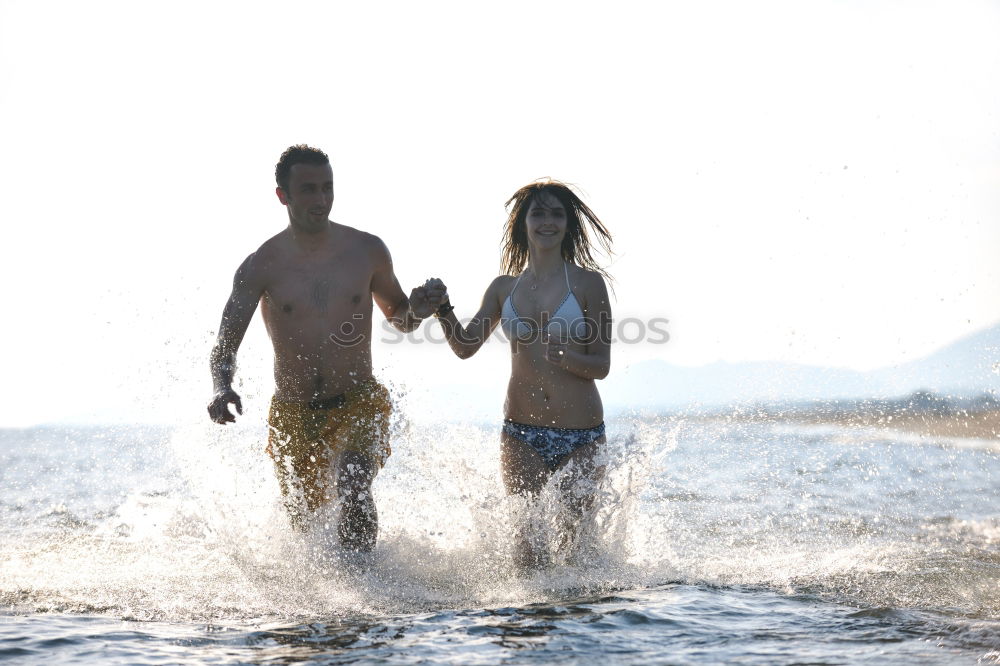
{"x":189,"y":526}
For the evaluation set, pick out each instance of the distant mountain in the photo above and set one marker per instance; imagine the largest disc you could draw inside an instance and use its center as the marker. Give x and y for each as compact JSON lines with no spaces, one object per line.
{"x":972,"y":364}
{"x":968,"y":366}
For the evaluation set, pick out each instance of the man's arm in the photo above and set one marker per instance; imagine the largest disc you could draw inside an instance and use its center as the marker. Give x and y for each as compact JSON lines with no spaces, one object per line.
{"x":388,"y":295}
{"x":236,"y":318}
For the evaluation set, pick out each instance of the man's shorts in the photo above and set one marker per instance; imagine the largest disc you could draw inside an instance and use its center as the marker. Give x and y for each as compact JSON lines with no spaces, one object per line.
{"x":305,"y":438}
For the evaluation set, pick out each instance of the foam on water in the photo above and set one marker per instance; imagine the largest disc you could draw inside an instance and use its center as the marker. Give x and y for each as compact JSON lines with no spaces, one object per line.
{"x":203,"y":535}
{"x":188,"y":526}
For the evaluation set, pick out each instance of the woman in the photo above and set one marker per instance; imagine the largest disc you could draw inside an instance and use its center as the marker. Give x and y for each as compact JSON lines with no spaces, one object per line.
{"x":552,"y":303}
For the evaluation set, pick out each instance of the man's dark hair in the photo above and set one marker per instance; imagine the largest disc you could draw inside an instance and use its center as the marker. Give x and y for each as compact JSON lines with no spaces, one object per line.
{"x":298,"y":154}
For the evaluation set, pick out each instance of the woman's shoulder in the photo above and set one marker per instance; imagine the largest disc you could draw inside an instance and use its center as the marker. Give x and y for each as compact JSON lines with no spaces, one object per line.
{"x":501,"y":284}
{"x":585,"y":278}
{"x":589,"y":286}
{"x":498,"y":290}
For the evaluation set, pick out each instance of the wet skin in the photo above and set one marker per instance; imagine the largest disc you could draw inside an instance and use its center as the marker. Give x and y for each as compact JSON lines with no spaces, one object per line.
{"x":316,"y":282}
{"x":552,"y":382}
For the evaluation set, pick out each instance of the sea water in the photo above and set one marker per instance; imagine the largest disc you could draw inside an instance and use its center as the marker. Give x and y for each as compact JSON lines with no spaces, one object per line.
{"x":708,"y":543}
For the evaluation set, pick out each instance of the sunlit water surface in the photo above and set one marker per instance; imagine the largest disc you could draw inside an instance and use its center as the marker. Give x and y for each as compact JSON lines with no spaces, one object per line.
{"x":709,"y":543}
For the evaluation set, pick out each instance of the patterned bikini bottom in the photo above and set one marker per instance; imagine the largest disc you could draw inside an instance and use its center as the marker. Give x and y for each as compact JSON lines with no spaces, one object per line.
{"x":554,"y":445}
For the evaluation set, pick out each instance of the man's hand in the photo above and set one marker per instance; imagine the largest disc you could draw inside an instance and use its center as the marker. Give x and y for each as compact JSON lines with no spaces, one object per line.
{"x":218,"y":409}
{"x":437,"y":292}
{"x":420,"y":305}
{"x":428,"y":297}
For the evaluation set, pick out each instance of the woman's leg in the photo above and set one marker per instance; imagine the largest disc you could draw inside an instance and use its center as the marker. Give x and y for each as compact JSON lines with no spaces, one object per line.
{"x":524,"y":473}
{"x":578,"y":485}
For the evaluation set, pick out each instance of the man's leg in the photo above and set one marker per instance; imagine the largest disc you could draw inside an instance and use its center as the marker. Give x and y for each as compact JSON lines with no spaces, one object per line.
{"x":302,"y":460}
{"x":354,"y":473}
{"x":361,"y":443}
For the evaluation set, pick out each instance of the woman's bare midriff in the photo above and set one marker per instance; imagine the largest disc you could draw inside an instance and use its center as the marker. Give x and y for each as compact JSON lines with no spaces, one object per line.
{"x":541,"y":393}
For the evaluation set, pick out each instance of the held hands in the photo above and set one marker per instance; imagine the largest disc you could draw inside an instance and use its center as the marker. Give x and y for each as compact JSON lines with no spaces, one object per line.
{"x":218,"y":409}
{"x":420,"y":304}
{"x":427,"y":298}
{"x":437,"y":292}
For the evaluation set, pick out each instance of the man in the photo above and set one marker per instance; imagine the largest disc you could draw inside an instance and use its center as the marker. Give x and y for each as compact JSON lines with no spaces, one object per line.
{"x":316,"y":280}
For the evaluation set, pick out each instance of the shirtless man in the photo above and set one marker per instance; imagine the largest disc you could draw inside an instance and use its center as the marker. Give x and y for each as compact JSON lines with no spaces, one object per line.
{"x":316,"y":280}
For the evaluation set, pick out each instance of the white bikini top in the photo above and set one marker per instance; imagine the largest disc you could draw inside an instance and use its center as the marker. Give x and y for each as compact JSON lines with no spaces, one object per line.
{"x":566,"y":323}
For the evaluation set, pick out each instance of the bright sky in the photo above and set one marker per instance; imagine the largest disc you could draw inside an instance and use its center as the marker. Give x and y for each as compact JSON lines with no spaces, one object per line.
{"x":816,"y":182}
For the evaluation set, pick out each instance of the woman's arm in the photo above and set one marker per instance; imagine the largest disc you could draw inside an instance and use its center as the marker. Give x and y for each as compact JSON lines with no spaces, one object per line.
{"x":465,"y":341}
{"x":594,"y":362}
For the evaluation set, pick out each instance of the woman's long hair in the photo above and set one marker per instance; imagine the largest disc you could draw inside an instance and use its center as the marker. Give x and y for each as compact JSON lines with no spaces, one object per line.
{"x":576,"y":245}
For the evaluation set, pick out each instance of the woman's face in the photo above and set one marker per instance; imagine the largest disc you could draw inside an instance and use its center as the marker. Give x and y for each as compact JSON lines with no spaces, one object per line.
{"x":546,"y":221}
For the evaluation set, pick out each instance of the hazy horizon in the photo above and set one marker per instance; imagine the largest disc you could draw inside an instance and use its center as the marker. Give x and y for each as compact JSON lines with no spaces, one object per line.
{"x":711,"y":387}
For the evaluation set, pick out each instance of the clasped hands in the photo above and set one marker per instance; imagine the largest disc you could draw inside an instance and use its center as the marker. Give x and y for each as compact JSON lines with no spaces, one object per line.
{"x":428,"y":297}
{"x":432,"y":294}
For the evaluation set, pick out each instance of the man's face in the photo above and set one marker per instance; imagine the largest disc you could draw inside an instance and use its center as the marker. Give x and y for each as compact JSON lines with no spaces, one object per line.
{"x":309,"y":197}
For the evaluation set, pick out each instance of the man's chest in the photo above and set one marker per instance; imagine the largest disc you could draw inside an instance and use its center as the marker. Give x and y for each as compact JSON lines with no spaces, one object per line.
{"x":317,"y":289}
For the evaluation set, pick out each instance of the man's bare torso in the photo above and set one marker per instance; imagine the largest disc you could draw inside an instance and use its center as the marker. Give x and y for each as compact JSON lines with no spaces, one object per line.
{"x":317,"y":307}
